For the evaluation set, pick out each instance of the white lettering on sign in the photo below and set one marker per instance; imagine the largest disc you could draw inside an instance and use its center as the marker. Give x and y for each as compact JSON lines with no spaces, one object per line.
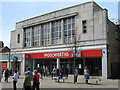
{"x":57,"y":54}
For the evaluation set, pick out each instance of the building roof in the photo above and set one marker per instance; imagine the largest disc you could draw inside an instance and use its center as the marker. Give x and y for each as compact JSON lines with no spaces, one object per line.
{"x":4,"y":49}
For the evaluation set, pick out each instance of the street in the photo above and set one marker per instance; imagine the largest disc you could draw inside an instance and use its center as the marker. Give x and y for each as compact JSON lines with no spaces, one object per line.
{"x":47,"y":82}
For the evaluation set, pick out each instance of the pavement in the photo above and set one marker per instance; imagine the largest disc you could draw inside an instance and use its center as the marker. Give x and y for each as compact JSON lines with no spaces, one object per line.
{"x":47,"y":82}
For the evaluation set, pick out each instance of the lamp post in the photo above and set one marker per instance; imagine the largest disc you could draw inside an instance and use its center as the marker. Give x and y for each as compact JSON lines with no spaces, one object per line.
{"x":74,"y":58}
{"x":9,"y":58}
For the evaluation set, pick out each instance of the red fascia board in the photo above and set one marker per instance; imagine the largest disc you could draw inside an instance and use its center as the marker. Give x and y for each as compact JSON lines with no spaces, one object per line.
{"x":62,"y":54}
{"x":91,"y":53}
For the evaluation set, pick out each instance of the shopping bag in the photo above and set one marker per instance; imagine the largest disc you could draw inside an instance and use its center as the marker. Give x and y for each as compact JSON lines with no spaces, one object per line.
{"x":31,"y":84}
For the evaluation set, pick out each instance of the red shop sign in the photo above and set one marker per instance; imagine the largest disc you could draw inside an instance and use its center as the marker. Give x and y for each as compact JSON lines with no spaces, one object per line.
{"x":63,"y":54}
{"x":4,"y":66}
{"x":91,"y":53}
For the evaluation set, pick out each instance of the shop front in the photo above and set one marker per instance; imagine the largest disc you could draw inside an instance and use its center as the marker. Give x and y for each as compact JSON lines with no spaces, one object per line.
{"x":64,"y":60}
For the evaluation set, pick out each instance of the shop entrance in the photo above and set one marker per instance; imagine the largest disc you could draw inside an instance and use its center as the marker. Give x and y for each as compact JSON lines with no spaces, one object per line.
{"x":94,"y":65}
{"x":37,"y":63}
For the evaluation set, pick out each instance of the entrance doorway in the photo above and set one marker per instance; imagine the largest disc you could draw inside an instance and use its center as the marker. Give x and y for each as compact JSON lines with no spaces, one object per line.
{"x":94,"y":65}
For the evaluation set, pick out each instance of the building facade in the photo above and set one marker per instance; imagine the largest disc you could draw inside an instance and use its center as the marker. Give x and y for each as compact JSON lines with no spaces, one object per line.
{"x":54,"y":39}
{"x":6,"y":59}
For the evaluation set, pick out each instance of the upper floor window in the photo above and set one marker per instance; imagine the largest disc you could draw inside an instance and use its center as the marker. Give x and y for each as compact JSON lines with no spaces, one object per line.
{"x":84,"y":26}
{"x":56,"y":32}
{"x":18,"y":38}
{"x":69,"y":29}
{"x":27,"y":37}
{"x":35,"y":35}
{"x":45,"y":34}
{"x":116,"y":35}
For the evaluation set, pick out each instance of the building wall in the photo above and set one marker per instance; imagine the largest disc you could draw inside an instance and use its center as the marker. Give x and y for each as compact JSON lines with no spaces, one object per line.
{"x":113,"y":49}
{"x":96,"y":35}
{"x":96,"y":30}
{"x":1,"y":44}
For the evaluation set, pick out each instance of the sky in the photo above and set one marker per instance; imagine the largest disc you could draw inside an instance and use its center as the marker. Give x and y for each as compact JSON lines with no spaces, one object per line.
{"x":14,"y":11}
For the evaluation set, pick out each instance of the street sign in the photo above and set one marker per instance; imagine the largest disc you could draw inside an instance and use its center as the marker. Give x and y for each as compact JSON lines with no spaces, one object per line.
{"x":15,"y":59}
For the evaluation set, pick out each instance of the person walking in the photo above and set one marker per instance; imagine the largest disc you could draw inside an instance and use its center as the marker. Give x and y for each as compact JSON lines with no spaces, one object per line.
{"x":76,"y":75}
{"x":47,"y":71}
{"x":41,"y":72}
{"x":6,"y":75}
{"x":86,"y":76}
{"x":86,"y":69}
{"x":28,"y":69}
{"x":35,"y":80}
{"x":44,"y":71}
{"x":27,"y":81}
{"x":15,"y":79}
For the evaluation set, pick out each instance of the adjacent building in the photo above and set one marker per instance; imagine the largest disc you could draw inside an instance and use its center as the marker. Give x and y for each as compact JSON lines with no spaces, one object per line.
{"x":50,"y":40}
{"x":4,"y":56}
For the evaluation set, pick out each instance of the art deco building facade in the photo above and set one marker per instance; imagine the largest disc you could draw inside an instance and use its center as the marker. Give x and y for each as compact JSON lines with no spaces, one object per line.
{"x":49,"y":40}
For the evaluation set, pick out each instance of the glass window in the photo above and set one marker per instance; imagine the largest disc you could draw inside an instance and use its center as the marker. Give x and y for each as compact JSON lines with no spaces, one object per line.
{"x":84,"y":26}
{"x":69,"y":29}
{"x":27,"y":37}
{"x":45,"y":34}
{"x":18,"y":38}
{"x":116,"y":35}
{"x":36,"y":35}
{"x":56,"y":32}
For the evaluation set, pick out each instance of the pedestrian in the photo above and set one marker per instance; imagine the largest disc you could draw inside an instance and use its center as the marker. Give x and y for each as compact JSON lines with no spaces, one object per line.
{"x":11,"y":74}
{"x":86,"y":69}
{"x":27,"y":81}
{"x":44,"y":71}
{"x":0,"y":75}
{"x":28,"y":69}
{"x":15,"y":79}
{"x":86,"y":76}
{"x":54,"y":72}
{"x":76,"y":75}
{"x":35,"y":80}
{"x":6,"y":75}
{"x":41,"y":72}
{"x":47,"y":71}
{"x":58,"y":71}
{"x":60,"y":75}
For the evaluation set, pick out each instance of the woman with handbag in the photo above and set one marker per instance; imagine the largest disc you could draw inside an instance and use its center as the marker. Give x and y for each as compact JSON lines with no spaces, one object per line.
{"x":35,"y":80}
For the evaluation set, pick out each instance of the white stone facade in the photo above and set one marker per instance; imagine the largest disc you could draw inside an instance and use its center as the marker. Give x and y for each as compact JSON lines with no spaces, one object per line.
{"x":95,"y":37}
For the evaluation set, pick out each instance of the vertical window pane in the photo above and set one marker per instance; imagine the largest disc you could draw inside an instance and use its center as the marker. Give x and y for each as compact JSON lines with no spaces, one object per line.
{"x":69,"y":31}
{"x":27,"y":37}
{"x":36,"y":35}
{"x":45,"y":34}
{"x":84,"y":26}
{"x":56,"y":32}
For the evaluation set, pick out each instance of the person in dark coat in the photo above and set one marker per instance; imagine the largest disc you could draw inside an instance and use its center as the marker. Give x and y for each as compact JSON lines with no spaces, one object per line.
{"x":6,"y":75}
{"x":41,"y":72}
{"x":27,"y":81}
{"x":76,"y":75}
